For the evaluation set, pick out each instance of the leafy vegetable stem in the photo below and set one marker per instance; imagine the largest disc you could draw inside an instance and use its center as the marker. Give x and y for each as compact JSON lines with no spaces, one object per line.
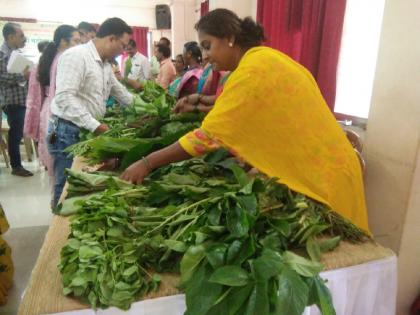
{"x":180,"y":212}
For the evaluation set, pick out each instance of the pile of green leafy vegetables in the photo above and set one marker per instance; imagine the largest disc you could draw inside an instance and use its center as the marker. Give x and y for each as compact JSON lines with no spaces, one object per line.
{"x":145,"y":126}
{"x":241,"y":244}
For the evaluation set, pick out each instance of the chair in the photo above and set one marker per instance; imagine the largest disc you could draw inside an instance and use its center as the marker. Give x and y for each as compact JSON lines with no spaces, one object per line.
{"x":357,"y":144}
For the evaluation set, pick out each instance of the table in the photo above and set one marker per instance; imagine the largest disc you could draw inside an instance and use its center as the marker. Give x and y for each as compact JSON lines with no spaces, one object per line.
{"x":362,"y":277}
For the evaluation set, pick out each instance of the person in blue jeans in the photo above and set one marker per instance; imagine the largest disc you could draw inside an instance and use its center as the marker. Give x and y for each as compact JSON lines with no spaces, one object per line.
{"x":13,"y":90}
{"x":84,"y":83}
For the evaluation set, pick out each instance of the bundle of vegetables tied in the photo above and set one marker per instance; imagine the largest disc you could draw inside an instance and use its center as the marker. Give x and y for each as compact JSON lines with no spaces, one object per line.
{"x":241,"y":244}
{"x":137,"y":130}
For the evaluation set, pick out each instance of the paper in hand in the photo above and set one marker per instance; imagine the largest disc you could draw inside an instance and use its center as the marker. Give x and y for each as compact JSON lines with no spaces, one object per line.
{"x":18,"y":62}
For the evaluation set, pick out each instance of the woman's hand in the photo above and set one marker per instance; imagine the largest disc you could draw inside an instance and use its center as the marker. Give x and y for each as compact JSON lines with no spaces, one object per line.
{"x":136,"y":172}
{"x":182,"y":106}
{"x":109,"y":165}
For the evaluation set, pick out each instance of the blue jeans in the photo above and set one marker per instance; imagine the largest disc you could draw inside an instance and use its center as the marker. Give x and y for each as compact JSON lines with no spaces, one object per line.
{"x":15,"y":119}
{"x":66,"y":134}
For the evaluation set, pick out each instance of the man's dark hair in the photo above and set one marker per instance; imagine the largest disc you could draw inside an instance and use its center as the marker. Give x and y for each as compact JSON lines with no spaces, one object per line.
{"x":166,"y":41}
{"x":164,"y":50}
{"x":9,"y":29}
{"x":85,"y":26}
{"x":113,"y":26}
{"x":132,"y":43}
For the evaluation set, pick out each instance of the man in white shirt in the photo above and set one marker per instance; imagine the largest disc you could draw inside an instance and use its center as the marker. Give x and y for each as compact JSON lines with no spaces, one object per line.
{"x":84,"y":82}
{"x":137,"y":65}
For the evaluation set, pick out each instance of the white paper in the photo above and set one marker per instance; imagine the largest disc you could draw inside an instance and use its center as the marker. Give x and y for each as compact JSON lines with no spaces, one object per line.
{"x":78,"y":312}
{"x":18,"y":62}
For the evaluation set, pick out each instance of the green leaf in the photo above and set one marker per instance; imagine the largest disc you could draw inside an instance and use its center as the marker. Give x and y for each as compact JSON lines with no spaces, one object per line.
{"x":242,"y":178}
{"x":269,"y":264}
{"x":73,"y":243}
{"x":115,"y":232}
{"x":234,"y":301}
{"x":78,"y":282}
{"x":87,"y":252}
{"x":301,"y":265}
{"x":292,"y":293}
{"x":272,"y":241}
{"x":190,"y":261}
{"x":247,"y":250}
{"x":216,"y":255}
{"x":177,"y":246}
{"x":249,"y":203}
{"x":130,"y":271}
{"x":201,"y":294}
{"x":313,"y":249}
{"x":329,"y":244}
{"x":237,"y":222}
{"x":313,"y":230}
{"x":324,"y":299}
{"x":233,"y":276}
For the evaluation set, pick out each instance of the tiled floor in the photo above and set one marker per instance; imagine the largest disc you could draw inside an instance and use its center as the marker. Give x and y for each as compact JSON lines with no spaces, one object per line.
{"x":26,"y":203}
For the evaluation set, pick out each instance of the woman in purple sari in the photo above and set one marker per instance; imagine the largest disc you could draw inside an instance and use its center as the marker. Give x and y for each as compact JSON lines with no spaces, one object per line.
{"x":192,"y":58}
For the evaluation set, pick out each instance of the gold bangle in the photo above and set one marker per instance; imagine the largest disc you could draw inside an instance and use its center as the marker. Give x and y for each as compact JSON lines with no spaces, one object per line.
{"x":147,"y":163}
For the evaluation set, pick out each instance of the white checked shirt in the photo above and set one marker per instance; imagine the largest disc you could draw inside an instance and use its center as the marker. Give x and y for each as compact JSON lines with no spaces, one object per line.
{"x":83,"y":85}
{"x":140,"y":68}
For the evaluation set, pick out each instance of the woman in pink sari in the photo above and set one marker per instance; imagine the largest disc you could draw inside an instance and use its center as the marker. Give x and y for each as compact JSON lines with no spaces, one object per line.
{"x":192,"y":58}
{"x":42,"y":90}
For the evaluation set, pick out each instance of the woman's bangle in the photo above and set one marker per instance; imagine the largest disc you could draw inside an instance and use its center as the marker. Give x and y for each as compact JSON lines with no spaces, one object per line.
{"x":147,"y":163}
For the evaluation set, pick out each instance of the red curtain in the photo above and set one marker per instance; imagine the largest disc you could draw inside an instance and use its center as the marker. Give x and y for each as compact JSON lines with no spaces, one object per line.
{"x":204,"y":7}
{"x":140,"y":37}
{"x":310,"y":32}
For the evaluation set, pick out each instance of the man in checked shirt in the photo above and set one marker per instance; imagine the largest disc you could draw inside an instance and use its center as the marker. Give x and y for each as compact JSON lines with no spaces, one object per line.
{"x":84,"y":82}
{"x":13,"y":90}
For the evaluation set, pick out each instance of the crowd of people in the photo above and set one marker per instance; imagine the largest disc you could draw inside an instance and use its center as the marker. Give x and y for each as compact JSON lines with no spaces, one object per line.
{"x":83,"y":78}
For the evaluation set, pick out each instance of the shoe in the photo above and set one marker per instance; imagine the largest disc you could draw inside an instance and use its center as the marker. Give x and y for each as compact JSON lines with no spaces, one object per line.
{"x":21,"y":172}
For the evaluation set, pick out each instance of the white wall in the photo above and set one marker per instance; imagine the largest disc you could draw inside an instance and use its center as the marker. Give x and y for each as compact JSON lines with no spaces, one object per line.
{"x":242,"y":8}
{"x":136,"y":13}
{"x":392,"y":144}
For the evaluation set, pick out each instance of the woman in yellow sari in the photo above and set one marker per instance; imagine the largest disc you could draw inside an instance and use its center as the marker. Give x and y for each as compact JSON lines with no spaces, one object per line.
{"x":272,"y":115}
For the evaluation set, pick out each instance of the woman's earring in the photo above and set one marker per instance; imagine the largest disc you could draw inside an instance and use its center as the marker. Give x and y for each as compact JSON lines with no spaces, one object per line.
{"x":230,"y":44}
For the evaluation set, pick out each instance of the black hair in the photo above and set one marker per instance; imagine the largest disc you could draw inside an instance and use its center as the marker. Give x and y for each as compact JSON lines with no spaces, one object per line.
{"x":9,"y":29}
{"x":194,"y":49}
{"x":223,"y":23}
{"x":132,"y":43}
{"x":164,"y":50}
{"x":42,"y":45}
{"x":113,"y":26}
{"x":85,"y":26}
{"x":166,"y":40}
{"x":63,"y":32}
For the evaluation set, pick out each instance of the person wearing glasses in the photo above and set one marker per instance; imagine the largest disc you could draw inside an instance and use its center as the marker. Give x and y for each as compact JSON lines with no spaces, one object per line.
{"x":84,"y":82}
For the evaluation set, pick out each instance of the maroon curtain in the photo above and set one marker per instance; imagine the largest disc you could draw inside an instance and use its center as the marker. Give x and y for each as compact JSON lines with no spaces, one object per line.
{"x":140,"y":37}
{"x":204,"y":7}
{"x":310,"y":32}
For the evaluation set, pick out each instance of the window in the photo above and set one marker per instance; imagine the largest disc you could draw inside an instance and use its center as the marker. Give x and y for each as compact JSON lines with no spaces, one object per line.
{"x":358,"y":56}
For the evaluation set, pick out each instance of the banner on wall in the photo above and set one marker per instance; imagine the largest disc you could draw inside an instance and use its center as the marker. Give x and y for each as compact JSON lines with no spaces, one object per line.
{"x":35,"y":32}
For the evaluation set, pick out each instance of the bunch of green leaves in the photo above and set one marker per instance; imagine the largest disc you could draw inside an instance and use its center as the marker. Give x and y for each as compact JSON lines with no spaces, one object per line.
{"x":233,"y":239}
{"x":136,"y":130}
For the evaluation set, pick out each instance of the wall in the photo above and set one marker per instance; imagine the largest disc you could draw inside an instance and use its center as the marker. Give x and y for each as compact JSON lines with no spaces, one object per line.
{"x":183,"y":20}
{"x":136,"y":13}
{"x":392,"y":144}
{"x":242,"y":8}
